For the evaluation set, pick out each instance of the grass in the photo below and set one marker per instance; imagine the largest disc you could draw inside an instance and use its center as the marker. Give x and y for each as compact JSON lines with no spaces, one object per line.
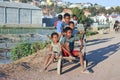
{"x":21,"y":30}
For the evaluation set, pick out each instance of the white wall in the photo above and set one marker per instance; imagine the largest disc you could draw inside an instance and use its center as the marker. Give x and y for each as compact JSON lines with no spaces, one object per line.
{"x":25,"y":16}
{"x":20,"y":16}
{"x":2,"y":15}
{"x":36,"y":17}
{"x":12,"y":15}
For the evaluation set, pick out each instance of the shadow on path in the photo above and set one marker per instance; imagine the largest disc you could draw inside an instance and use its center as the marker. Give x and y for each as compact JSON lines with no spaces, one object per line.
{"x":96,"y":56}
{"x":97,"y":41}
{"x":99,"y":55}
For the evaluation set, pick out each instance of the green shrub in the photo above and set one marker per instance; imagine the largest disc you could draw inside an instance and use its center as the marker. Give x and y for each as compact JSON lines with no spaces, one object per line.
{"x":25,"y":49}
{"x":21,"y":50}
{"x":90,"y":33}
{"x":39,"y":45}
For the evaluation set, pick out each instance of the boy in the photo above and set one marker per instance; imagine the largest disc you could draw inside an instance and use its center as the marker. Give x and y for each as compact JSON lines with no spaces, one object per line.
{"x":74,"y":19}
{"x":67,"y":43}
{"x":55,"y":50}
{"x":75,"y":32}
{"x":74,"y":29}
{"x":66,"y":20}
{"x":59,"y":24}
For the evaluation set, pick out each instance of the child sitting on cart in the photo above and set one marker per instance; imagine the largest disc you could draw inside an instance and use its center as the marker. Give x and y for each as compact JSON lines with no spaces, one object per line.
{"x":55,"y":50}
{"x":67,"y":43}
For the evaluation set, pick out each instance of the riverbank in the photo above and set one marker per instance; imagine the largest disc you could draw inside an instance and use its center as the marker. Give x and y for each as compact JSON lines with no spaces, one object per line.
{"x":32,"y":62}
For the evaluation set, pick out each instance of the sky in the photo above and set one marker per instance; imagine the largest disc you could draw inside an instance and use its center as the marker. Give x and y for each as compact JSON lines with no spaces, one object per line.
{"x":106,"y":3}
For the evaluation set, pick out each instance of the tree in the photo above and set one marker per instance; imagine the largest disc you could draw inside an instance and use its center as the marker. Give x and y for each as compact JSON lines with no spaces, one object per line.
{"x":24,"y":1}
{"x":88,"y":22}
{"x":102,"y":10}
{"x":117,"y":9}
{"x":93,"y":11}
{"x":79,"y":13}
{"x":111,"y":10}
{"x":58,"y":9}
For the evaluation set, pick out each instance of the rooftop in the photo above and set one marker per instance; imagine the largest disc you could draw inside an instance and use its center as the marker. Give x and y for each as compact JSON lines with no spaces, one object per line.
{"x":17,"y":5}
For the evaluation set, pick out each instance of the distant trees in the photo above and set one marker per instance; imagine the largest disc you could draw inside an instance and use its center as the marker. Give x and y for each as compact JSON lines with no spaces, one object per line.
{"x":81,"y":17}
{"x":111,"y":10}
{"x":58,"y":9}
{"x":23,"y":1}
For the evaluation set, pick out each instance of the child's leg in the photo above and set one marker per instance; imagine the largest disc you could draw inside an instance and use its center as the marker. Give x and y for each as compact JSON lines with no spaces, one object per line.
{"x":50,"y":61}
{"x":47,"y":59}
{"x":79,"y":54}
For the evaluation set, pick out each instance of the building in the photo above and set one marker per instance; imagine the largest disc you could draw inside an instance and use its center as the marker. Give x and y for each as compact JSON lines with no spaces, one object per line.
{"x":87,"y":13}
{"x":19,"y":15}
{"x":80,"y":5}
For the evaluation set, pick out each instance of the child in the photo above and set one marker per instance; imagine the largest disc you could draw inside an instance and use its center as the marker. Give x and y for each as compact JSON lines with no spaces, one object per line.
{"x":74,"y":29}
{"x":75,"y":32}
{"x":55,"y":50}
{"x":74,"y":19}
{"x":59,"y":24}
{"x":68,"y":43}
{"x":66,"y":20}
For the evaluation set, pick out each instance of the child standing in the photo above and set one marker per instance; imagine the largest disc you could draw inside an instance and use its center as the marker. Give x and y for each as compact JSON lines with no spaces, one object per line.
{"x":75,"y":31}
{"x":55,"y":50}
{"x":74,"y":19}
{"x":59,"y":25}
{"x":66,"y":21}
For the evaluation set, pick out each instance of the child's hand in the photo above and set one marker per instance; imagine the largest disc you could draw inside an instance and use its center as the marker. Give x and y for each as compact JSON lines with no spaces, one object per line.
{"x":81,"y":47}
{"x":82,"y":32}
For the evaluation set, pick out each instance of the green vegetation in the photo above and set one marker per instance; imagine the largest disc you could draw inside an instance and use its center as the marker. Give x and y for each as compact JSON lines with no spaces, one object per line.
{"x":4,"y":27}
{"x":25,"y":49}
{"x":21,"y":30}
{"x":79,"y":13}
{"x":90,"y":33}
{"x":94,"y":10}
{"x":81,"y":17}
{"x":100,"y":28}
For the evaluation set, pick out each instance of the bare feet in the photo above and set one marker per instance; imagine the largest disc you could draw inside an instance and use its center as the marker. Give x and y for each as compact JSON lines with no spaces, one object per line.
{"x":84,"y":70}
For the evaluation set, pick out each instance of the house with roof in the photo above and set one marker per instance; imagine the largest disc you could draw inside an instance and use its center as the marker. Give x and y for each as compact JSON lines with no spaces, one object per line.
{"x":20,"y":15}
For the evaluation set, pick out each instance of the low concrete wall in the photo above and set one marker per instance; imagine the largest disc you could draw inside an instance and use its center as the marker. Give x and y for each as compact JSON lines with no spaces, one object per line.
{"x":21,"y":25}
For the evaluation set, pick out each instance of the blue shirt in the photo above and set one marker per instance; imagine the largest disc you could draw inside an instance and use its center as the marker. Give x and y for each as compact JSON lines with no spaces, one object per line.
{"x":59,"y":26}
{"x":64,"y":25}
{"x":75,"y":31}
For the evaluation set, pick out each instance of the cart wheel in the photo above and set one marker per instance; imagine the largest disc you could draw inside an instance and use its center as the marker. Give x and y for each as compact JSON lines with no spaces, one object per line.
{"x":59,"y":66}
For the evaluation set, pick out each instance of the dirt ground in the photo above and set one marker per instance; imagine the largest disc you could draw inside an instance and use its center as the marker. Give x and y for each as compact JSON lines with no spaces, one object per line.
{"x":103,"y":53}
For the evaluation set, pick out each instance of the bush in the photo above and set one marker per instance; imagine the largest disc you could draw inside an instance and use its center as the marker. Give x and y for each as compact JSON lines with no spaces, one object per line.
{"x":21,"y":50}
{"x":39,"y":45}
{"x":25,"y":49}
{"x":90,"y":33}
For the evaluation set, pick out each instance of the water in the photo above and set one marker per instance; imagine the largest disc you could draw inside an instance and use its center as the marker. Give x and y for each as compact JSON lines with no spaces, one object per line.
{"x":5,"y":61}
{"x":5,"y":58}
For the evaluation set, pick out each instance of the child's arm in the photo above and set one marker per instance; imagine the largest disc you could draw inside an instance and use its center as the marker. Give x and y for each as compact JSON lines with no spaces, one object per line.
{"x":80,"y":38}
{"x":50,"y":48}
{"x":81,"y":45}
{"x":65,"y":47}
